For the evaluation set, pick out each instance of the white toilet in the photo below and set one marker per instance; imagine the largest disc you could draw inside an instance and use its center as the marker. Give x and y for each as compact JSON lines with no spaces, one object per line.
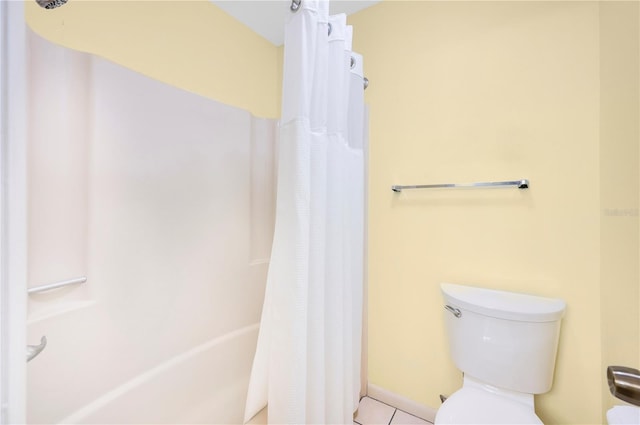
{"x":505,"y":344}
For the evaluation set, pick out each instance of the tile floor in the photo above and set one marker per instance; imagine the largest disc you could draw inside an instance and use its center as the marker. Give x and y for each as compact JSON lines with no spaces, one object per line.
{"x":374,"y":412}
{"x":370,"y":412}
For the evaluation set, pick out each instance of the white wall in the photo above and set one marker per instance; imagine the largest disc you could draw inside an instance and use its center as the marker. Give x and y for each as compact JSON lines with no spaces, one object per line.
{"x":165,"y":200}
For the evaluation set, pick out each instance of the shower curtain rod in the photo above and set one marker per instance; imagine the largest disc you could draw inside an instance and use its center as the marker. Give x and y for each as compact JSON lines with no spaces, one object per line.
{"x":520,"y":184}
{"x":295,"y":6}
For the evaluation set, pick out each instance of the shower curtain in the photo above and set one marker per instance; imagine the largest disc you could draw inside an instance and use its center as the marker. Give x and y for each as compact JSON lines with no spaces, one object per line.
{"x":307,"y":362}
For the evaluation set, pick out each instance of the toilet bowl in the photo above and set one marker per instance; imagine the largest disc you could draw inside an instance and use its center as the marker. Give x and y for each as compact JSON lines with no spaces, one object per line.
{"x":478,"y":403}
{"x":505,"y":344}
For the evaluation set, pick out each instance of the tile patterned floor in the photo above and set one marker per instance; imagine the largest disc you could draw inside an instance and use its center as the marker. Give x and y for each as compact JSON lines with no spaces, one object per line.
{"x":370,"y":412}
{"x":374,"y":412}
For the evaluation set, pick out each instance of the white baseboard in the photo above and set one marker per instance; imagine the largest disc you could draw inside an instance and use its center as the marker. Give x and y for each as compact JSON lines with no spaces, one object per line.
{"x":396,"y":400}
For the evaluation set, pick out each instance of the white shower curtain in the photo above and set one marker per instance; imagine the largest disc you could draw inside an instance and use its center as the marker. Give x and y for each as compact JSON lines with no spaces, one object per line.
{"x":307,"y":363}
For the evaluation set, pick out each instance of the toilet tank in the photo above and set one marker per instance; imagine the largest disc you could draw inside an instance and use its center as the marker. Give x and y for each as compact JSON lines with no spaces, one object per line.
{"x":506,"y":339}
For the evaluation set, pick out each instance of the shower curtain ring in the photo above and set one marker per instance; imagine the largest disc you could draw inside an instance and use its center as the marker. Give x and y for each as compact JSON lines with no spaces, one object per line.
{"x":295,"y":5}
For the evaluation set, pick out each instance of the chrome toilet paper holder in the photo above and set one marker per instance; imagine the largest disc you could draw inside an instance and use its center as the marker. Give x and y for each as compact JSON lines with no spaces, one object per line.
{"x":624,"y":383}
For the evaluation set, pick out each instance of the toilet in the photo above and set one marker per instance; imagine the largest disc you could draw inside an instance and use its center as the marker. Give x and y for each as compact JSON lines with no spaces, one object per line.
{"x":505,"y":344}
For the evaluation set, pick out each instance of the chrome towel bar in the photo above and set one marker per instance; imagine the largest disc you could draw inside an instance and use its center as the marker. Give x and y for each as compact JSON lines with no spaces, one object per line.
{"x":520,"y":184}
{"x":56,"y":285}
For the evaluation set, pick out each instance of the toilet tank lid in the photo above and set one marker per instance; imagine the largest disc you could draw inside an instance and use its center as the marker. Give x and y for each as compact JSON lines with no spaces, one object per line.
{"x":503,"y":304}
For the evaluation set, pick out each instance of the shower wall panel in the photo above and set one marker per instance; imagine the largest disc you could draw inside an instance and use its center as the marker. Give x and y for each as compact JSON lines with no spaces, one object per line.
{"x":58,"y":170}
{"x":179,"y":218}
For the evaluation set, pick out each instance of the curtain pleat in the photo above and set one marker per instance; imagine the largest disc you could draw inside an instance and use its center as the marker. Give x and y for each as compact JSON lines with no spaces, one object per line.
{"x":307,"y":362}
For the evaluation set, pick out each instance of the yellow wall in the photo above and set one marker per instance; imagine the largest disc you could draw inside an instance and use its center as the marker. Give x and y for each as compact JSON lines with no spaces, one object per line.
{"x":619,"y":189}
{"x":190,"y":44}
{"x":473,"y":91}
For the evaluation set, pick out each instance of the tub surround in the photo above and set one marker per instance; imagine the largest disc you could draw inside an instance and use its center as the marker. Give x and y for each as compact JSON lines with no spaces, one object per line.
{"x":176,"y":213}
